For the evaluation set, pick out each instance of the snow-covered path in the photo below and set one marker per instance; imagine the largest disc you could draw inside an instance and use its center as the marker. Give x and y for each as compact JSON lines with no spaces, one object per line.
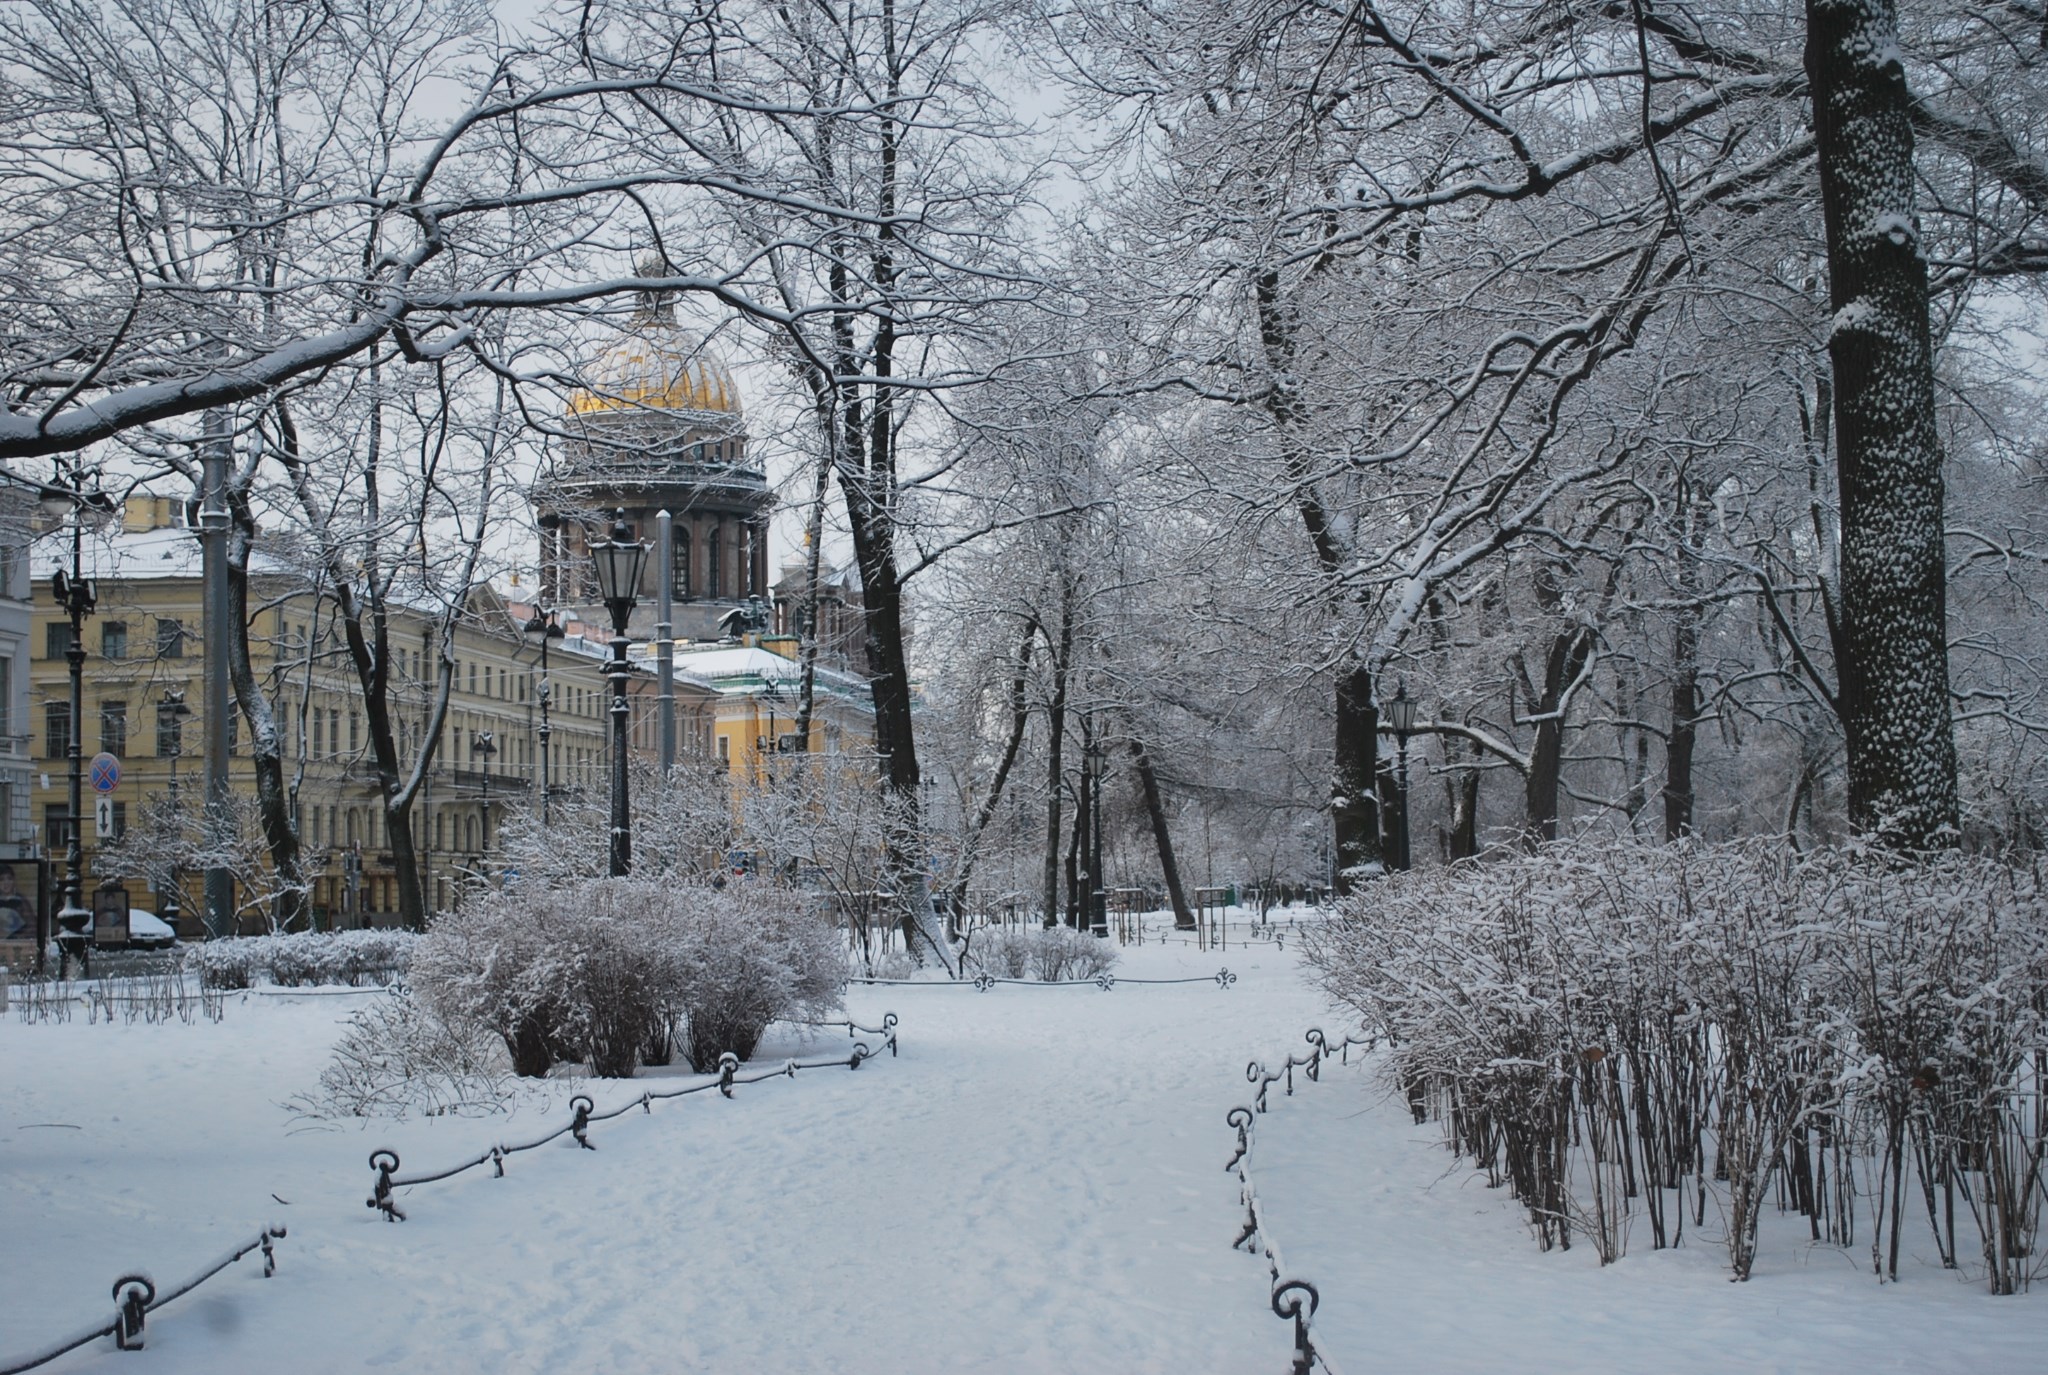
{"x":1034,"y":1185}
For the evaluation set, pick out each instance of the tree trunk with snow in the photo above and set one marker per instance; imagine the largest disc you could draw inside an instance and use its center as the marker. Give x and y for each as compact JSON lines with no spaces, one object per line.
{"x":1354,"y":807}
{"x":1162,"y":836}
{"x":1891,"y":644}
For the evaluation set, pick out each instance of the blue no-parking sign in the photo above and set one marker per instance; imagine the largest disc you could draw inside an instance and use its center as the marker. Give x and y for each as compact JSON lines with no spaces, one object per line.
{"x":106,"y":772}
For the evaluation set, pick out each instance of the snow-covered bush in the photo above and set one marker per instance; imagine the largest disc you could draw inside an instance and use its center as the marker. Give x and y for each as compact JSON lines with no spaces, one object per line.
{"x":1611,"y":1029}
{"x":1002,"y":952}
{"x":395,"y":1056}
{"x":613,"y":971}
{"x":1052,"y":953}
{"x":352,"y":958}
{"x":748,"y":956}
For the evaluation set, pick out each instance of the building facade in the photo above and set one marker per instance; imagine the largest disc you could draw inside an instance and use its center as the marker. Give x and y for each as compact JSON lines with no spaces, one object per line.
{"x":144,"y":698}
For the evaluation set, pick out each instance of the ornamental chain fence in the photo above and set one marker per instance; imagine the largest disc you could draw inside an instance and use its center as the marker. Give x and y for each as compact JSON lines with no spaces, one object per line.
{"x":135,"y":1297}
{"x":584,"y":1114}
{"x":1222,"y":978}
{"x":1292,"y":1299}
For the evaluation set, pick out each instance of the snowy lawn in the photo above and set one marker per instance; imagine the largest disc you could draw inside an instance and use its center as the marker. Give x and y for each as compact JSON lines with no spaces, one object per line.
{"x":1035,"y":1185}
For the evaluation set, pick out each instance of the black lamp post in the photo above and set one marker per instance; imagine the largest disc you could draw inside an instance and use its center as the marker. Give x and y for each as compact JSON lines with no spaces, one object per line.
{"x":1401,"y":718}
{"x":1098,"y":887}
{"x":548,"y":628}
{"x":486,"y":744}
{"x":619,"y":561}
{"x":75,"y":595}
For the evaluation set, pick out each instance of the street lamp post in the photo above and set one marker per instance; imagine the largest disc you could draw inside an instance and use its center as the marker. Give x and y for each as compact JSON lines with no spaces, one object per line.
{"x":619,"y":561}
{"x":1098,"y":889}
{"x":1401,"y":717}
{"x":548,"y":628}
{"x":486,"y":744}
{"x":75,"y":595}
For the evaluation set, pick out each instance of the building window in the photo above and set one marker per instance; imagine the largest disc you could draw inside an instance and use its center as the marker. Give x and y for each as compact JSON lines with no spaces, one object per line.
{"x":114,"y":640}
{"x":354,"y":729}
{"x":56,"y":639}
{"x":56,"y":729}
{"x":679,"y":567}
{"x":712,"y":583}
{"x":170,"y":639}
{"x":114,"y":728}
{"x":170,"y":731}
{"x":234,"y":729}
{"x":120,"y":810}
{"x":56,"y":826}
{"x":472,"y":678}
{"x":6,"y":691}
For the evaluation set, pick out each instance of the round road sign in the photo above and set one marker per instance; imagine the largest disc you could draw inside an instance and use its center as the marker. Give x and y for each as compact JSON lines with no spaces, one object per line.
{"x":105,"y":773}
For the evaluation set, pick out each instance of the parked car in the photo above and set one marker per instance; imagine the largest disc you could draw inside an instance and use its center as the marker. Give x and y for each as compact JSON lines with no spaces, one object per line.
{"x":146,"y":931}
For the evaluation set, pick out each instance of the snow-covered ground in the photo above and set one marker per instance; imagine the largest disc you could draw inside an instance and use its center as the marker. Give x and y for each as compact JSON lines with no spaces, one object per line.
{"x":1035,"y":1185}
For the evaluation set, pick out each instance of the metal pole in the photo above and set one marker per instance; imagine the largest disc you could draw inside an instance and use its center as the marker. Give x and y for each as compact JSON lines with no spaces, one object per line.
{"x":664,"y":635}
{"x":213,"y":536}
{"x":622,"y":844}
{"x":489,"y":751}
{"x":71,"y":921}
{"x":1098,"y":899}
{"x":546,"y":690}
{"x":1401,"y":742}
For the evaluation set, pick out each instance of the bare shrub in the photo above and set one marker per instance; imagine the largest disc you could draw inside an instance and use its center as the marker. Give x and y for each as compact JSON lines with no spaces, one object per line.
{"x":608,"y":971}
{"x":749,"y":956}
{"x":303,"y":959}
{"x":1623,"y":1032}
{"x":1053,"y":953}
{"x":396,"y":1056}
{"x":1002,"y":952}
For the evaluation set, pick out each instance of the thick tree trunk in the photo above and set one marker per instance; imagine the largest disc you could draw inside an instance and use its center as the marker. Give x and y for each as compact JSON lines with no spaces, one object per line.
{"x":1891,"y":647}
{"x":1464,"y":837}
{"x":1393,"y":807}
{"x":1685,"y":711}
{"x":266,"y":749}
{"x":1162,"y":837}
{"x":1355,"y":768}
{"x":1354,"y":807}
{"x":1685,"y":673}
{"x":1055,"y":779}
{"x":1562,"y":664}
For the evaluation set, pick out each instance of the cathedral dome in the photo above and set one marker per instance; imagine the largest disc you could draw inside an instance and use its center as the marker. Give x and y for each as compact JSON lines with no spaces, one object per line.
{"x":659,"y":367}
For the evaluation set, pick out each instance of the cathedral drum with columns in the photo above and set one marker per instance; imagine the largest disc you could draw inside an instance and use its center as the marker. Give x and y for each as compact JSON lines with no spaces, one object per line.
{"x":660,"y":427}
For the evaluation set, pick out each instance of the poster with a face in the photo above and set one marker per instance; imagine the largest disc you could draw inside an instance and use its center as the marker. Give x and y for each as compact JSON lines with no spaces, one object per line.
{"x":17,"y":913}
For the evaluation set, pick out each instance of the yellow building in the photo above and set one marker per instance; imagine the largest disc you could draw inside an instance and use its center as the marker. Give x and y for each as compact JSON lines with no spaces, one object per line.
{"x":755,"y":685}
{"x":143,"y":698}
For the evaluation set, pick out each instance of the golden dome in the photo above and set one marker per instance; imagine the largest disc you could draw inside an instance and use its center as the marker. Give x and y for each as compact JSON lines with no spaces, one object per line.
{"x":661,"y":367}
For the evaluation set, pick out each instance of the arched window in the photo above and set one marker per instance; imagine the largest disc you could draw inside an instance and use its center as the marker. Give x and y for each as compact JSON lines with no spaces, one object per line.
{"x":679,"y":567}
{"x":713,"y":583}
